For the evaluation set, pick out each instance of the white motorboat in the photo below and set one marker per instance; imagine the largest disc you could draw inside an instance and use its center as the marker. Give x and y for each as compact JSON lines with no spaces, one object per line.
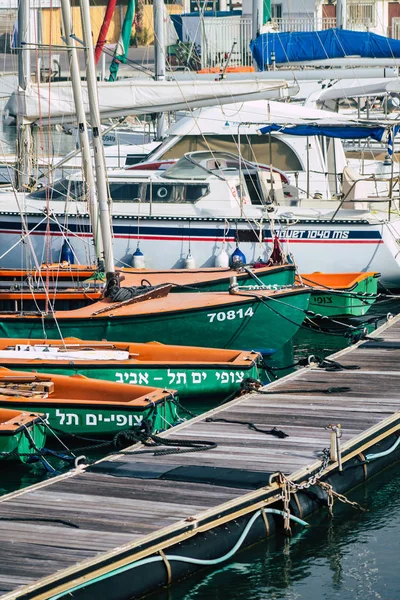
{"x":201,"y":206}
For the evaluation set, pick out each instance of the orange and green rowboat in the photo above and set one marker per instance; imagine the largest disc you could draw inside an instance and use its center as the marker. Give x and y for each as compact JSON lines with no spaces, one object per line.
{"x":83,"y":406}
{"x":194,"y":372}
{"x":21,"y":434}
{"x":342,"y":294}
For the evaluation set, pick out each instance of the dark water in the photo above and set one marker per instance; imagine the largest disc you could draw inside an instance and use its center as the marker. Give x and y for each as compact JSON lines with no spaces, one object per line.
{"x":355,"y":556}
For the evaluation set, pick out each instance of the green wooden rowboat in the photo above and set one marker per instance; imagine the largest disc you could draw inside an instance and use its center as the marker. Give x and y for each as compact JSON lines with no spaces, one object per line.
{"x":78,"y":405}
{"x":260,"y":320}
{"x":74,"y":293}
{"x":342,"y":294}
{"x":21,"y":434}
{"x":193,"y":372}
{"x":213,"y":279}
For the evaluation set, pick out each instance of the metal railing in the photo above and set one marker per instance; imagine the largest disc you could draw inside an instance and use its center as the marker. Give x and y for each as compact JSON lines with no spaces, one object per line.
{"x":220,"y":36}
{"x":304,"y":24}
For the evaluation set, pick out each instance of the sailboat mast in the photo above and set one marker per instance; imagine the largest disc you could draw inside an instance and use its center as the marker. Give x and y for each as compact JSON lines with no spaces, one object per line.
{"x":341,"y":14}
{"x":82,"y":129}
{"x":24,"y":135}
{"x":159,"y":57}
{"x":98,"y":148}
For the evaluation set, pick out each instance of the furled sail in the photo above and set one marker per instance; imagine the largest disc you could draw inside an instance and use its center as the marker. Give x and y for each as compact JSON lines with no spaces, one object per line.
{"x":133,"y":96}
{"x":347,"y":130}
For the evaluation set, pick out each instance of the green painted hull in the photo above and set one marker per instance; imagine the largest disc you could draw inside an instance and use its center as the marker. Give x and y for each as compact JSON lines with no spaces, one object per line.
{"x":345,"y":303}
{"x":19,"y":445}
{"x":203,"y":380}
{"x":251,"y":324}
{"x":274,"y":279}
{"x":80,"y":419}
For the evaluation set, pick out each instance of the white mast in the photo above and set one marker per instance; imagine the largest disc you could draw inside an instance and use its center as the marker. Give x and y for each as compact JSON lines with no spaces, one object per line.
{"x":159,"y":57}
{"x":257,"y":18}
{"x":82,"y":128}
{"x":24,"y":136}
{"x":341,"y":14}
{"x":98,"y":149}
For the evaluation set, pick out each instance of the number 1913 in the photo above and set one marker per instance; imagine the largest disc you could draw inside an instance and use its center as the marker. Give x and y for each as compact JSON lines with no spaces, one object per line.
{"x":230,"y":315}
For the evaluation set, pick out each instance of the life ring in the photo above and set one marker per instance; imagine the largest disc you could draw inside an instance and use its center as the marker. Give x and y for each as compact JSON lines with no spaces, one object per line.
{"x":162,"y":192}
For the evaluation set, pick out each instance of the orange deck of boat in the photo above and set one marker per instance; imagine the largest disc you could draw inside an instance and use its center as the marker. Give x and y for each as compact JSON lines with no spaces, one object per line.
{"x":171,"y":303}
{"x":11,"y":420}
{"x":153,"y":352}
{"x":77,"y":388}
{"x":335,"y":281}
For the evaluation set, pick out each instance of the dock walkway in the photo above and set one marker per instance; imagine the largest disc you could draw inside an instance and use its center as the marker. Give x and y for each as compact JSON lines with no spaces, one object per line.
{"x":62,"y":533}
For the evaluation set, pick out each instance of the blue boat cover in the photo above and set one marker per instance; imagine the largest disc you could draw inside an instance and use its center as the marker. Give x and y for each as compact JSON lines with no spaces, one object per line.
{"x":320,"y":45}
{"x":348,"y":132}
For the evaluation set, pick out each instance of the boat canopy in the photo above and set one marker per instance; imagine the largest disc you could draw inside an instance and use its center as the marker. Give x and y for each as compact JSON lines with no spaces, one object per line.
{"x":300,"y":46}
{"x":346,"y":131}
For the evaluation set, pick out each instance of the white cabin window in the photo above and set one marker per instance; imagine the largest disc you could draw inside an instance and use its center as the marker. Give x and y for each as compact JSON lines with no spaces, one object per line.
{"x":178,"y":193}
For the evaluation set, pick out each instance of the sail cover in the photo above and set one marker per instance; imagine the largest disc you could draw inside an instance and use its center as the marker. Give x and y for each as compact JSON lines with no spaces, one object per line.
{"x":137,"y":96}
{"x":319,"y":45}
{"x":346,"y":131}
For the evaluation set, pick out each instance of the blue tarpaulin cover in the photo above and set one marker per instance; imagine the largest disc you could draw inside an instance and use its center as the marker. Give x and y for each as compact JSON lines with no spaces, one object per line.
{"x":348,"y":132}
{"x":320,"y":45}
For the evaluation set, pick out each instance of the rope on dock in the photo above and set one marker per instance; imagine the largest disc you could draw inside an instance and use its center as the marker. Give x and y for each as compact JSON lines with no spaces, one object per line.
{"x":274,"y":431}
{"x":253,"y":385}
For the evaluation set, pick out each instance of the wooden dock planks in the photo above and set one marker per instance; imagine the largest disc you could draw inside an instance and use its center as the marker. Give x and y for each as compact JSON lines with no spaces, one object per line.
{"x":111,"y":512}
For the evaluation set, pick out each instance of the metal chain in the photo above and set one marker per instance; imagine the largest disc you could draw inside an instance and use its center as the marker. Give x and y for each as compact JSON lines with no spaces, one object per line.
{"x":314,"y":478}
{"x":286,"y":504}
{"x":331,"y":493}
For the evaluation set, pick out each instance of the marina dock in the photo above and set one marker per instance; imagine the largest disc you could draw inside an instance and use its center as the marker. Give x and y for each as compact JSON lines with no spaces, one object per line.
{"x":134,"y":522}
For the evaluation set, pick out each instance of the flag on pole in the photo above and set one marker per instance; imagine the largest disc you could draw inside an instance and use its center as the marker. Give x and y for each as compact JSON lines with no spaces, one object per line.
{"x":390,"y":142}
{"x":122,"y":47}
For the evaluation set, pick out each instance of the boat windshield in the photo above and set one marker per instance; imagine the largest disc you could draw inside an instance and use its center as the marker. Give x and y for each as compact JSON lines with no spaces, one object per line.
{"x":186,"y":168}
{"x":199,"y":165}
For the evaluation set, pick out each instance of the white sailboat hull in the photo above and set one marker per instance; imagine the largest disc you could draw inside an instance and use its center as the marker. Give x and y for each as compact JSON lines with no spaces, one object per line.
{"x":338,"y":246}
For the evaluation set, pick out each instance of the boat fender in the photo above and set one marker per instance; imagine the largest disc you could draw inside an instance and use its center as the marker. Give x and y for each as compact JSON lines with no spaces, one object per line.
{"x":189,"y":262}
{"x":237,"y":258}
{"x":222,"y":259}
{"x":66,"y":253}
{"x":138,"y":261}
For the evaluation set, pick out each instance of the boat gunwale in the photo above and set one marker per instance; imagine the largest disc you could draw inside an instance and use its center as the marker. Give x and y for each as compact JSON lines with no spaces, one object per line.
{"x":247,"y":364}
{"x":141,"y":406}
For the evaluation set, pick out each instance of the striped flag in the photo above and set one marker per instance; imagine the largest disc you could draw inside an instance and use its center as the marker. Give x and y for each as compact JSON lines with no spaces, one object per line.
{"x":390,"y":142}
{"x":122,"y":47}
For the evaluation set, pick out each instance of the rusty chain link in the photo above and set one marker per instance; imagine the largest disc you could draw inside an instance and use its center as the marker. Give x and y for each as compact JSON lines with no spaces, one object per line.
{"x":289,"y":487}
